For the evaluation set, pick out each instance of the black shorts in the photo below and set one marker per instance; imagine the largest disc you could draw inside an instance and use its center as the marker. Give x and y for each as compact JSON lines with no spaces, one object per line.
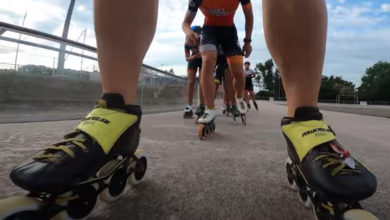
{"x":248,"y":84}
{"x":213,"y":36}
{"x":220,"y":68}
{"x":195,"y":64}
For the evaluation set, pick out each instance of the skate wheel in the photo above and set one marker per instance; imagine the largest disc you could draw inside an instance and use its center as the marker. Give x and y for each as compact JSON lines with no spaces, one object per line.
{"x":138,"y":169}
{"x":116,"y":183}
{"x":303,"y":191}
{"x":196,"y":118}
{"x":201,"y":131}
{"x":116,"y":186}
{"x":290,"y":175}
{"x":213,"y":128}
{"x":207,"y":131}
{"x":80,"y":207}
{"x":358,"y":214}
{"x":243,"y":119}
{"x":20,"y":207}
{"x":304,"y":197}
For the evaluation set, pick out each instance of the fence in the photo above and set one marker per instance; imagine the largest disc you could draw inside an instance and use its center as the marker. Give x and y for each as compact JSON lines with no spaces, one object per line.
{"x":30,"y":82}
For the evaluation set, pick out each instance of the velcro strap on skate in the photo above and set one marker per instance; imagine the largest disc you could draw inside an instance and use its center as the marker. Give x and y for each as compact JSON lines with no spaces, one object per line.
{"x":305,"y":135}
{"x":106,"y":126}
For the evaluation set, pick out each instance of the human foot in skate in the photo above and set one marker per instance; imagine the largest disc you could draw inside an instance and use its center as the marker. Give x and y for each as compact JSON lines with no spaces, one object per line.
{"x":325,"y":174}
{"x":110,"y":129}
{"x":188,"y":112}
{"x":199,"y":112}
{"x":207,"y":125}
{"x":208,"y":116}
{"x":256,"y":107}
{"x":241,"y":105}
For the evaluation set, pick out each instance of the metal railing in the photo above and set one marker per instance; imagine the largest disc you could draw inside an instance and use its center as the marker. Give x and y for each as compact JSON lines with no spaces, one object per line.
{"x":39,"y":34}
{"x":31,"y":88}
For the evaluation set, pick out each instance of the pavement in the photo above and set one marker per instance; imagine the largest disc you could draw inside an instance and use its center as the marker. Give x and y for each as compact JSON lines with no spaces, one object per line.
{"x":238,"y":173}
{"x":370,"y":110}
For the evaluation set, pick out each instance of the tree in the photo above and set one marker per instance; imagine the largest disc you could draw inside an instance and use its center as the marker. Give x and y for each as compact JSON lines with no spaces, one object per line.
{"x":333,"y":86}
{"x":376,"y":82}
{"x":271,"y":77}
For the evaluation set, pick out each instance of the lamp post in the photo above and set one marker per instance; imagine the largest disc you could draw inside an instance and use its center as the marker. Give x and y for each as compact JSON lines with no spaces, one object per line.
{"x":61,"y":54}
{"x":17,"y":47}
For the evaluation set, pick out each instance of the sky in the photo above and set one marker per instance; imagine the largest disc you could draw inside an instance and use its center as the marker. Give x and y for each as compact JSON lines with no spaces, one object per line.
{"x":358,"y":34}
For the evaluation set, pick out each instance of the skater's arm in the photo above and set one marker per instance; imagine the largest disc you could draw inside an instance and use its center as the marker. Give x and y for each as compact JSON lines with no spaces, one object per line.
{"x":187,"y":53}
{"x":248,"y":12}
{"x":191,"y":36}
{"x":253,"y":75}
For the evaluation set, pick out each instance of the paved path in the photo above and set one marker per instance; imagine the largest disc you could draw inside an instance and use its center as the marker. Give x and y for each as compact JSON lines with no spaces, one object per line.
{"x":238,"y":173}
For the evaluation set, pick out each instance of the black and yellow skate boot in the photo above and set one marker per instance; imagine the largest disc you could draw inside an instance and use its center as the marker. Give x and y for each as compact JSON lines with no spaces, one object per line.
{"x":321,"y":164}
{"x":110,"y":130}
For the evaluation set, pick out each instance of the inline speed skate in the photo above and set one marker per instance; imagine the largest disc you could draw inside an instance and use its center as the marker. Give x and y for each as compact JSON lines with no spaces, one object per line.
{"x":188,"y":114}
{"x":207,"y":125}
{"x":256,"y":107}
{"x":239,"y":111}
{"x":236,"y":114}
{"x":97,"y":160}
{"x":199,"y":112}
{"x":226,"y":109}
{"x":324,"y":174}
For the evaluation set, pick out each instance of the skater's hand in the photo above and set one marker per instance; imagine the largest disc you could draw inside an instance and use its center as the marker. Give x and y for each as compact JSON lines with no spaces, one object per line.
{"x":192,"y":38}
{"x":196,"y":55}
{"x":247,"y":48}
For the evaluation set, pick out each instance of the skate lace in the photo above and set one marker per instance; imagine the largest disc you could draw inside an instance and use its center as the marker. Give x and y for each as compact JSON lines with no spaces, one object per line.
{"x":334,"y":159}
{"x":49,"y":156}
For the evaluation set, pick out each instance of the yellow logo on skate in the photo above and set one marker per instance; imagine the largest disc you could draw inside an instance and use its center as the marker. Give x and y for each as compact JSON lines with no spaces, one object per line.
{"x":106,"y":126}
{"x":305,"y":135}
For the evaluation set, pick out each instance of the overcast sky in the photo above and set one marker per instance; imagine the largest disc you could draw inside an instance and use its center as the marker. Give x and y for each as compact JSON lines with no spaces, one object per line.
{"x":358,"y":36}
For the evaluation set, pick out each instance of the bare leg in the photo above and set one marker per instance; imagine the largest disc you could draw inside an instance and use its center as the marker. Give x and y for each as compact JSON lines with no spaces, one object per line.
{"x":207,"y":80}
{"x":246,"y":98}
{"x":201,"y":97}
{"x":216,"y":89}
{"x":297,"y":43}
{"x":122,"y":42}
{"x":238,"y":78}
{"x":228,"y":87}
{"x":252,"y":95}
{"x":190,"y":85}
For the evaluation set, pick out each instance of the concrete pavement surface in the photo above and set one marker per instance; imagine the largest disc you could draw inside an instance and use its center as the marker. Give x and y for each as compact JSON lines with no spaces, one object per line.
{"x":238,"y":173}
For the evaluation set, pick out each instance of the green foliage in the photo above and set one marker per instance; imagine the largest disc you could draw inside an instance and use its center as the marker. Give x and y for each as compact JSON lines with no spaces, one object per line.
{"x":36,"y":70}
{"x":376,"y":82}
{"x":333,"y":86}
{"x":39,"y":70}
{"x":271,"y":77}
